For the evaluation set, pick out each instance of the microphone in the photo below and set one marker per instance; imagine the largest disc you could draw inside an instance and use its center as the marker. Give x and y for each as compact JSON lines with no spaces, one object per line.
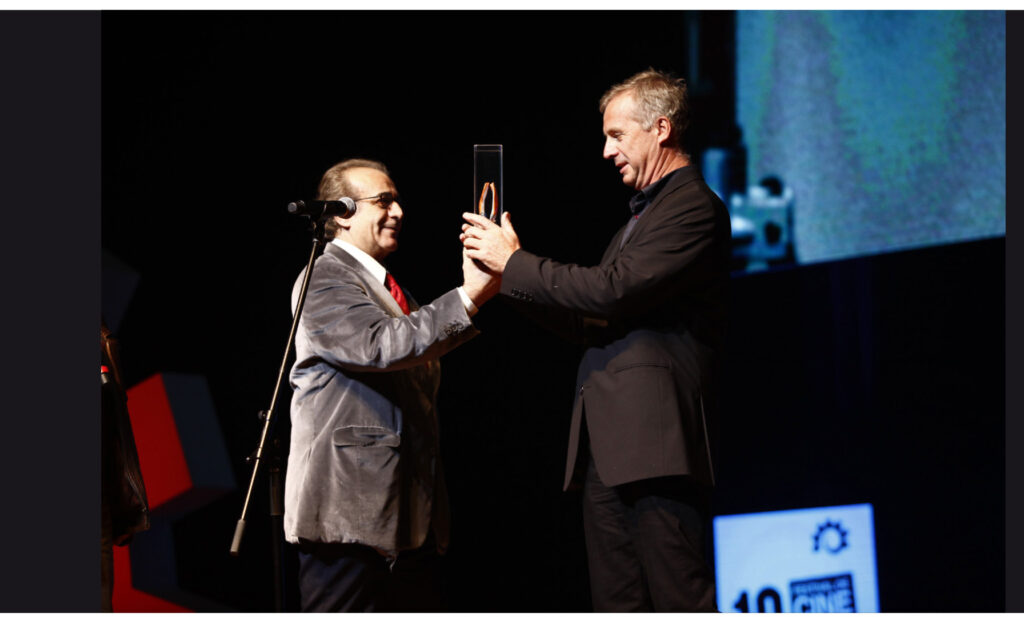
{"x":344,"y":207}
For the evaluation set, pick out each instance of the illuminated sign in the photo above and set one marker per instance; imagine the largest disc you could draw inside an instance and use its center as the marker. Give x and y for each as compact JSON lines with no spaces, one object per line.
{"x":815,"y":560}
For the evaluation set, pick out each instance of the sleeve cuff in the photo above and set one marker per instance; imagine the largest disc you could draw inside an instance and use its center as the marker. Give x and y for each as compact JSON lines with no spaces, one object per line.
{"x":471,"y":308}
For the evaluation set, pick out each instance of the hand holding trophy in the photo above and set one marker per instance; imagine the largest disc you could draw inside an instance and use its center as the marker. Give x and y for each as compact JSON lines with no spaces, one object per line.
{"x":488,"y":235}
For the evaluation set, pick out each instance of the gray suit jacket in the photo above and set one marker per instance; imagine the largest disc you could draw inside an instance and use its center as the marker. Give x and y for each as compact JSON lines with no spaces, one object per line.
{"x":363,"y":464}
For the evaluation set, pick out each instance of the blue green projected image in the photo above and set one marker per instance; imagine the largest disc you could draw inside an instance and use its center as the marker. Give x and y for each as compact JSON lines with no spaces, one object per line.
{"x":888,"y":127}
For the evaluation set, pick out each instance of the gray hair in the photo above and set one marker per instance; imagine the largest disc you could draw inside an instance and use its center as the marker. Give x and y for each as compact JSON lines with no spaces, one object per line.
{"x":656,"y":94}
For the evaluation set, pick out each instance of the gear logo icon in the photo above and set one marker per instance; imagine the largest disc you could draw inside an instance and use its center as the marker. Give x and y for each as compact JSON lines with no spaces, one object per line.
{"x":830,"y":536}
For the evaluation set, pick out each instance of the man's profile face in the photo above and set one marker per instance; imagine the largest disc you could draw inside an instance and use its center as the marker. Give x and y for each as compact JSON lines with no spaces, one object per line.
{"x":627,"y":144}
{"x":374,"y":228}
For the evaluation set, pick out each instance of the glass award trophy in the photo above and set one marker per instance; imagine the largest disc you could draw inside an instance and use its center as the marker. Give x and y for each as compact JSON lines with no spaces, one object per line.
{"x":487,"y":181}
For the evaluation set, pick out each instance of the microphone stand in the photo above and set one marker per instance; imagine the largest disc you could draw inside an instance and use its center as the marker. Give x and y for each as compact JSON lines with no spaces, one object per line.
{"x":272,"y":453}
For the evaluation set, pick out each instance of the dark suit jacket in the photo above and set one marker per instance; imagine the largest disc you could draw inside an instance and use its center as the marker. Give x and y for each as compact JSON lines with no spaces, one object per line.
{"x":652,"y":315}
{"x":363,"y":464}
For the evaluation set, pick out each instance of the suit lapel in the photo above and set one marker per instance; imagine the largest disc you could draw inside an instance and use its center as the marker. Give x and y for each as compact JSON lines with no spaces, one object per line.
{"x":374,"y":288}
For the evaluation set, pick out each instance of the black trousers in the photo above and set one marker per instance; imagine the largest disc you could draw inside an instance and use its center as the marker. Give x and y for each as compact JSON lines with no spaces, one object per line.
{"x":335,"y":578}
{"x":645,"y":545}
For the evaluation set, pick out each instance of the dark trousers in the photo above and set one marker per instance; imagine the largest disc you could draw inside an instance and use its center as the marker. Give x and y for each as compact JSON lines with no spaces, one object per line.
{"x":336,"y":578}
{"x":645,"y":545}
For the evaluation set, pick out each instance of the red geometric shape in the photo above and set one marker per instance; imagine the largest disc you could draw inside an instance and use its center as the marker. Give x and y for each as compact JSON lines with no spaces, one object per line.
{"x":127,"y":599}
{"x":164,"y":468}
{"x":184,"y":466}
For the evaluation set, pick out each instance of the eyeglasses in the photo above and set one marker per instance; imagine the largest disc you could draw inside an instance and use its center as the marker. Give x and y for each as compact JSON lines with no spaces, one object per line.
{"x":385,"y":199}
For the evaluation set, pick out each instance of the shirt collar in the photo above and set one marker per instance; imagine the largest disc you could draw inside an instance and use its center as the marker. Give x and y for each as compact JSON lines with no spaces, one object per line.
{"x":378,"y":271}
{"x":649,"y":192}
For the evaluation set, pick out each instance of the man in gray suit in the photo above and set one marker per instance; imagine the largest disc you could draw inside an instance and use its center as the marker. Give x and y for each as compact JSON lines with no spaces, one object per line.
{"x":364,"y":493}
{"x":652,"y":318}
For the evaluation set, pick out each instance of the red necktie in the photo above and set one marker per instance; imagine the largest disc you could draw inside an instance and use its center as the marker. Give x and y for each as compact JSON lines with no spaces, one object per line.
{"x":396,"y":292}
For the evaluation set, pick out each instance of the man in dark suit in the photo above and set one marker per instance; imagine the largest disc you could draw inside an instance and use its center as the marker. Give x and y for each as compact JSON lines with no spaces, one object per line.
{"x":652,"y":316}
{"x":364,"y":492}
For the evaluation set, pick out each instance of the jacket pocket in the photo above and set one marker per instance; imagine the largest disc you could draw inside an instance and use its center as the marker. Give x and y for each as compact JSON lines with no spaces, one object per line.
{"x":365,"y":436}
{"x":635,"y":364}
{"x":364,"y":495}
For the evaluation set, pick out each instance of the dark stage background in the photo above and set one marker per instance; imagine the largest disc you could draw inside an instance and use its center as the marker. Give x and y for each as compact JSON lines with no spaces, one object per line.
{"x":877,"y":379}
